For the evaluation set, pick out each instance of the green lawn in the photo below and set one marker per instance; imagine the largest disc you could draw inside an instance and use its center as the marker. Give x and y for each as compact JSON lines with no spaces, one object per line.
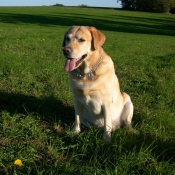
{"x":36,"y":108}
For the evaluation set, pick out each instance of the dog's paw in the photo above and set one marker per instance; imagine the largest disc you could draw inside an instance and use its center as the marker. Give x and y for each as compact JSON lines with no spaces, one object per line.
{"x":134,"y":131}
{"x":107,"y":137}
{"x":76,"y":130}
{"x":107,"y":140}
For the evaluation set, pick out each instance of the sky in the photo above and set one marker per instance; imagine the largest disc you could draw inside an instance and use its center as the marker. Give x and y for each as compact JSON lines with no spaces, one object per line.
{"x":96,"y":3}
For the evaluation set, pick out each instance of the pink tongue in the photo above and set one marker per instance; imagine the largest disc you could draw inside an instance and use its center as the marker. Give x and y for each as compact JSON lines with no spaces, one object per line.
{"x":70,"y":65}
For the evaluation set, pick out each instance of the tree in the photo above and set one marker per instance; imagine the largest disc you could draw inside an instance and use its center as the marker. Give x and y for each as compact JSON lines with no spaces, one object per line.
{"x":149,"y":5}
{"x":58,"y":5}
{"x":83,"y":5}
{"x":128,"y":4}
{"x":165,"y":5}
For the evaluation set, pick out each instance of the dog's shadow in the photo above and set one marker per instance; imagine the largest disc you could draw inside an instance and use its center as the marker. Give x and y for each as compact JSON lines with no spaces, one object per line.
{"x":50,"y":108}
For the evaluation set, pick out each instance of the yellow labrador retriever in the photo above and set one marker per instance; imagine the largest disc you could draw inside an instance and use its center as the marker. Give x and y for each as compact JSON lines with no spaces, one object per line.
{"x":96,"y":93}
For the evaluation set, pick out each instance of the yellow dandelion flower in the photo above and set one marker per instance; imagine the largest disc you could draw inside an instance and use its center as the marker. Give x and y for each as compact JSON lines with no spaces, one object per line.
{"x":18,"y":162}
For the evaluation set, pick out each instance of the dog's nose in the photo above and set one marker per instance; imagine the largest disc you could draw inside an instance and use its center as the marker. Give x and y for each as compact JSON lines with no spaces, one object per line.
{"x":66,"y":50}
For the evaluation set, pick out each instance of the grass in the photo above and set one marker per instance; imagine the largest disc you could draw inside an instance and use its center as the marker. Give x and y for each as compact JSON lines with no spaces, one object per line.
{"x":36,"y":108}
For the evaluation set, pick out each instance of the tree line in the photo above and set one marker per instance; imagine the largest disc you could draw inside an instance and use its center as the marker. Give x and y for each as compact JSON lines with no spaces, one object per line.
{"x":163,"y":6}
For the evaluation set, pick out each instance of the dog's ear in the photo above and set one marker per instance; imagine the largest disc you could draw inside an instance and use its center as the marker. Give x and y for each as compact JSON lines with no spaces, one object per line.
{"x":98,"y":38}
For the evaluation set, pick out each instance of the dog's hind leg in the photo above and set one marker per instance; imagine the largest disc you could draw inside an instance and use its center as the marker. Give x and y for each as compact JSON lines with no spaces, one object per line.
{"x":127,"y":112}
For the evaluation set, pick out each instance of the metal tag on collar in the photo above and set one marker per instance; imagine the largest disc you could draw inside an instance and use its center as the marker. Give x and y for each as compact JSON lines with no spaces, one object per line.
{"x":89,"y":76}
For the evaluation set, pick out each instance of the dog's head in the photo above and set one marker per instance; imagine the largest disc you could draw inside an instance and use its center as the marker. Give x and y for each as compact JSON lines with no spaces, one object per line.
{"x":78,"y":43}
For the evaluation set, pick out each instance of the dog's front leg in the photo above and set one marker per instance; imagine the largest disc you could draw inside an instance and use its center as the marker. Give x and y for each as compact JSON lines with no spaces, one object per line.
{"x":78,"y":113}
{"x":107,"y":123}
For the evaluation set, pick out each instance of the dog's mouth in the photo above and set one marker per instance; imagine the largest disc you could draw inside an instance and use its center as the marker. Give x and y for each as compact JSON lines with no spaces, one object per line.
{"x":73,"y":63}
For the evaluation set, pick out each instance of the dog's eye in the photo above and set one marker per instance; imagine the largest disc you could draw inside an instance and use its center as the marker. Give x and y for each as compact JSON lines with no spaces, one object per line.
{"x":81,"y":40}
{"x":67,"y":38}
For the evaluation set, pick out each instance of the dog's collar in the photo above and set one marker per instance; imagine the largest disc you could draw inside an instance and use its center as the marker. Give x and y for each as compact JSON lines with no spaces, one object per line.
{"x":89,"y":74}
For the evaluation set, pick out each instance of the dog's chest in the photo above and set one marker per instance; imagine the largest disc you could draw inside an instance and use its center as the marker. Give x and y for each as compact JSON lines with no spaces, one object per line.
{"x":87,"y":94}
{"x":91,"y":103}
{"x":88,"y":97}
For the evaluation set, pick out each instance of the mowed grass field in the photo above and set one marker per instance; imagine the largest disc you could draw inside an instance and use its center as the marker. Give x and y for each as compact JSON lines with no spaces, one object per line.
{"x":36,"y":108}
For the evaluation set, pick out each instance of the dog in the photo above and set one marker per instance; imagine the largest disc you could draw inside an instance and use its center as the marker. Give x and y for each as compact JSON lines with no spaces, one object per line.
{"x":97,"y":99}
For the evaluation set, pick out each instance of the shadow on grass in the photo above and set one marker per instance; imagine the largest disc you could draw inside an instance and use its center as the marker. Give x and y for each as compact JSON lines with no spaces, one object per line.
{"x":118,"y":23}
{"x":49,"y":108}
{"x":146,"y":142}
{"x":53,"y":109}
{"x":143,"y":151}
{"x":166,"y":61}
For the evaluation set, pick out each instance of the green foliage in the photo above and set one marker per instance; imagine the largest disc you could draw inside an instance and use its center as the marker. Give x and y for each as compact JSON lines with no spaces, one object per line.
{"x":149,"y":5}
{"x":164,"y":5}
{"x":58,"y":5}
{"x":83,"y":5}
{"x":36,"y":108}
